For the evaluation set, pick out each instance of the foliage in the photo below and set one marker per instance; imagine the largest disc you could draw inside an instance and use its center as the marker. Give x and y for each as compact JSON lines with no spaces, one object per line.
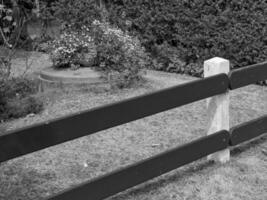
{"x":14,"y":16}
{"x":16,"y":98}
{"x":182,"y":34}
{"x":20,"y":108}
{"x":75,"y":13}
{"x":70,"y":48}
{"x":7,"y":26}
{"x":168,"y":58}
{"x":7,"y":23}
{"x":197,"y":29}
{"x":108,"y":49}
{"x":118,"y":53}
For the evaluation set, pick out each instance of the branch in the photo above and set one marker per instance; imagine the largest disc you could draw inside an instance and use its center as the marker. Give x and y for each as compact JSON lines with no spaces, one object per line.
{"x":4,"y":38}
{"x":37,"y":4}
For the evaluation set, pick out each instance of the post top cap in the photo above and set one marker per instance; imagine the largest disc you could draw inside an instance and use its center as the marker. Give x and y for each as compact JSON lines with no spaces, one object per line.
{"x":217,"y":60}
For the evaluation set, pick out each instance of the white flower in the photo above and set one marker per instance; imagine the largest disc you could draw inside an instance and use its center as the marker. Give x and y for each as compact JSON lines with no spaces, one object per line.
{"x":96,"y":22}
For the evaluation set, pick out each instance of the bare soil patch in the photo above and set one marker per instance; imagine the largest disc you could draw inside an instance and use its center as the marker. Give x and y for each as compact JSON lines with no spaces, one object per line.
{"x":37,"y":175}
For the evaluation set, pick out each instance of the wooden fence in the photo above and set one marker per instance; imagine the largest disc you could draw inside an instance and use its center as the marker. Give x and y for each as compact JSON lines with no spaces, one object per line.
{"x":215,"y":87}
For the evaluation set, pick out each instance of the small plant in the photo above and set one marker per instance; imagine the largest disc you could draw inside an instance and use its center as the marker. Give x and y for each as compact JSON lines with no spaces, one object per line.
{"x":72,"y":48}
{"x":17,"y":98}
{"x":20,"y":108}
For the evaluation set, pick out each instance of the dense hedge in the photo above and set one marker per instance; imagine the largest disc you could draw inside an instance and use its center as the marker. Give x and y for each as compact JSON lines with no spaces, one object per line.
{"x":196,"y":30}
{"x":76,"y":13}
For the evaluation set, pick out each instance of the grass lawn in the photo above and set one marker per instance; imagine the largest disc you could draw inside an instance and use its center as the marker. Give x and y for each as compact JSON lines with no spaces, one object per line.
{"x":45,"y":172}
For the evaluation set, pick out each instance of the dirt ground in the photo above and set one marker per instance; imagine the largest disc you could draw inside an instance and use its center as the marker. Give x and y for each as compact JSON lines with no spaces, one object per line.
{"x":46,"y":172}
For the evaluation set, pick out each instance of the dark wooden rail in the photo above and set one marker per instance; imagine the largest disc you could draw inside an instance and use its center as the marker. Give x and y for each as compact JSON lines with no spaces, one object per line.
{"x":40,"y":136}
{"x":248,"y":75}
{"x":248,"y":130}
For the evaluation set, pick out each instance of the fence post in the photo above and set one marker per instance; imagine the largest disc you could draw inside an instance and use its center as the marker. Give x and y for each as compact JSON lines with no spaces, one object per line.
{"x":218,"y":106}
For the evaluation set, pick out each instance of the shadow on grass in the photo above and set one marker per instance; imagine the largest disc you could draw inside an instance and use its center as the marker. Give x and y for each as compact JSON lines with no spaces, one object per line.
{"x":185,"y":171}
{"x":237,"y":150}
{"x":166,"y":179}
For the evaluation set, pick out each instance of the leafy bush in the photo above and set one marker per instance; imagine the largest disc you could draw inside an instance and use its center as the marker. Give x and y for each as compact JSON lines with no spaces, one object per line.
{"x":16,"y":98}
{"x":118,"y":53}
{"x":197,"y":29}
{"x":18,"y":87}
{"x":72,"y":48}
{"x":19,"y":108}
{"x":169,"y":59}
{"x":75,"y":13}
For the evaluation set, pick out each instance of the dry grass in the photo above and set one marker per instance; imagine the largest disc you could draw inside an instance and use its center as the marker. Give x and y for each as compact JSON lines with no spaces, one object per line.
{"x":48,"y":171}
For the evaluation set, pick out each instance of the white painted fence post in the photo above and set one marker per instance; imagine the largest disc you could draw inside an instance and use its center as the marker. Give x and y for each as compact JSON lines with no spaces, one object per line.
{"x":218,"y":106}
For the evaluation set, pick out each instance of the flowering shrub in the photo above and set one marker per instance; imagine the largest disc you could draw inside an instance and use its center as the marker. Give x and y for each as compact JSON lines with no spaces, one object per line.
{"x":118,"y":53}
{"x":108,"y":49}
{"x":72,"y":48}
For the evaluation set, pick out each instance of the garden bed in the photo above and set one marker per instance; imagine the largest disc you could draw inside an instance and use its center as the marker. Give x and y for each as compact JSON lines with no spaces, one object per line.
{"x":51,"y":170}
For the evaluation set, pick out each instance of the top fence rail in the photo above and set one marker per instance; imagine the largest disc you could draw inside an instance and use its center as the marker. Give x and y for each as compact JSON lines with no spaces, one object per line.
{"x":40,"y":136}
{"x":248,"y":75}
